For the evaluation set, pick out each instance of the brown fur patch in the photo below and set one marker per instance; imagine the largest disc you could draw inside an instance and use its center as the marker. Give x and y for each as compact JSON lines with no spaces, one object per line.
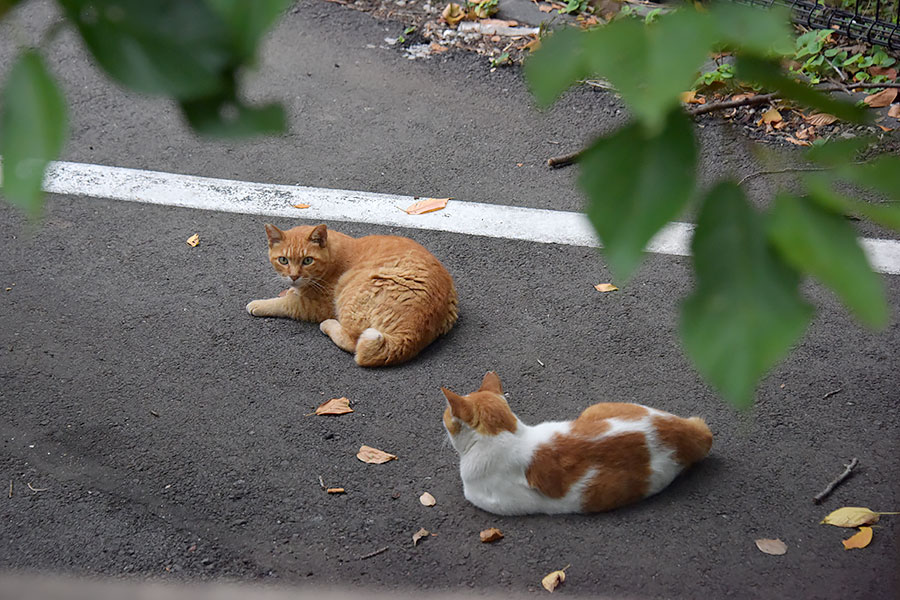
{"x":452,"y":426}
{"x":494,"y":414}
{"x":592,"y":420}
{"x":622,"y":463}
{"x":690,"y":439}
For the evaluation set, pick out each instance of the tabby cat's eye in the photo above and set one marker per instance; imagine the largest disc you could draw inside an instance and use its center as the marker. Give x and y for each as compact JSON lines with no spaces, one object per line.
{"x":307,"y":260}
{"x":283,"y":260}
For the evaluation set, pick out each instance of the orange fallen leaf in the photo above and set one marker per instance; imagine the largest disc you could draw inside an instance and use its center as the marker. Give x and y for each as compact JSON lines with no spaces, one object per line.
{"x":894,"y":111}
{"x":890,"y":72}
{"x":335,"y":490}
{"x":491,"y":535}
{"x":301,"y":205}
{"x":770,"y":116}
{"x":427,"y":499}
{"x":426,"y":206}
{"x":453,"y":14}
{"x":820,"y":119}
{"x":553,"y":580}
{"x":797,"y":142}
{"x":885,"y":129}
{"x":775,"y":547}
{"x":806,"y":133}
{"x":422,"y":532}
{"x":435,"y":47}
{"x":691,"y":97}
{"x":545,"y":8}
{"x":860,"y":539}
{"x":193,"y":240}
{"x":533,"y":45}
{"x":605,"y":287}
{"x":499,"y":22}
{"x":335,"y":406}
{"x":882,"y":98}
{"x":742,"y":97}
{"x":374,"y":456}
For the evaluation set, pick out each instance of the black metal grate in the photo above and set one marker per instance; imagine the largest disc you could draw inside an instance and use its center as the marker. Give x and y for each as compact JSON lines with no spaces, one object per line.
{"x":882,"y":29}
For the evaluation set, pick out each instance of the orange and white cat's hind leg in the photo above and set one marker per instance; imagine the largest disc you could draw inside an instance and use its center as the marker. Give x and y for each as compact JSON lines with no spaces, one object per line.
{"x":333,"y":329}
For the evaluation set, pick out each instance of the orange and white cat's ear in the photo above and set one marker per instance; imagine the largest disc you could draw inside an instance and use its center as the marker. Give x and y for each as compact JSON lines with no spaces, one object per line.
{"x":319,"y":235}
{"x":491,"y":383}
{"x":459,"y":405}
{"x":274,"y":234}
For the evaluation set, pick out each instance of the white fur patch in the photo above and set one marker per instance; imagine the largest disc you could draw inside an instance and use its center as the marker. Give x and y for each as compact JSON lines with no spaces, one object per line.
{"x":371,"y":334}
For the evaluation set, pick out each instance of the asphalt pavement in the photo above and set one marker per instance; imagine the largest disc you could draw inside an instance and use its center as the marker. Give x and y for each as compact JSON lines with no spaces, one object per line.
{"x":151,"y":429}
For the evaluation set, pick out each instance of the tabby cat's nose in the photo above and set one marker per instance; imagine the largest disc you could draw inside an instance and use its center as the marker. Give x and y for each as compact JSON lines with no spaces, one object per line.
{"x":295,"y":277}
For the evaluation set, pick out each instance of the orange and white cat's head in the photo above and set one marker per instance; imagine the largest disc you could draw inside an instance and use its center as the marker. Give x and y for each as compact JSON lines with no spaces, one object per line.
{"x":301,"y":254}
{"x":483,"y":413}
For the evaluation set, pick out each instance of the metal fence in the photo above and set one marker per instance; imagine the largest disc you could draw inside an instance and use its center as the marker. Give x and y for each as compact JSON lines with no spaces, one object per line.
{"x":875,"y":21}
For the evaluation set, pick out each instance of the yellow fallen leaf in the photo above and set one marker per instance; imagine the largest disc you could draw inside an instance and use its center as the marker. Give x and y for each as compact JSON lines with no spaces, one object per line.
{"x":820,"y":119}
{"x":692,"y":98}
{"x":605,"y":287}
{"x":882,"y":98}
{"x":419,"y":535}
{"x":534,"y":44}
{"x":374,"y":456}
{"x":426,"y":206}
{"x":553,"y":580}
{"x":453,"y":14}
{"x":301,"y":205}
{"x":335,"y":406}
{"x":335,"y":490}
{"x":894,"y":111}
{"x":770,"y":116}
{"x":491,"y":535}
{"x":851,"y":516}
{"x":775,"y":547}
{"x":860,"y":539}
{"x":193,"y":240}
{"x":427,"y":499}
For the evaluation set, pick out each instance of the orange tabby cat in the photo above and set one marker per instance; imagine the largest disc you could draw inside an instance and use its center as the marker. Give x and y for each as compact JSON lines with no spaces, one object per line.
{"x":611,"y":455}
{"x":381,"y":297}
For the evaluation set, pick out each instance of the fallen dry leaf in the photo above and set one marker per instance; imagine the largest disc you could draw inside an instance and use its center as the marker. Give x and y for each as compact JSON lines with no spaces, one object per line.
{"x":797,"y":142}
{"x":770,"y":116}
{"x":889,"y":71}
{"x":500,"y":22}
{"x":553,"y":580}
{"x":775,"y":547}
{"x":491,"y":535}
{"x":374,"y":456}
{"x":885,"y":129}
{"x":426,"y":206}
{"x":605,"y":287}
{"x":435,"y":47}
{"x":419,"y":535}
{"x":301,"y":205}
{"x":427,"y":499}
{"x":335,"y":406}
{"x":193,"y":240}
{"x":691,"y":98}
{"x":335,"y":490}
{"x":852,"y":516}
{"x":860,"y":539}
{"x":532,"y":45}
{"x":806,"y":133}
{"x":545,"y":8}
{"x":820,"y":119}
{"x":894,"y":111}
{"x":742,"y":97}
{"x":453,"y":14}
{"x":882,"y":98}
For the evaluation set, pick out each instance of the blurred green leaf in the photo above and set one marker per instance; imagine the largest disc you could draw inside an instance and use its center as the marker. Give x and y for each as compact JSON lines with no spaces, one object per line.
{"x":180,"y":48}
{"x":557,"y":65}
{"x":33,"y":127}
{"x":763,"y":32}
{"x":639,"y":60}
{"x":6,"y":5}
{"x":819,"y":187}
{"x":229,"y":118}
{"x":824,"y":244}
{"x":838,"y":152}
{"x":249,"y":20}
{"x":636,"y":183}
{"x":768,"y":74}
{"x":881,"y":174}
{"x":745,"y":312}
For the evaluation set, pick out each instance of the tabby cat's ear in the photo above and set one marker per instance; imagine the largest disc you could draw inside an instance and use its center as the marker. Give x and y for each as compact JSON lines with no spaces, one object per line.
{"x":491,"y":383}
{"x":319,"y":235}
{"x":274,"y":234}
{"x":459,"y":405}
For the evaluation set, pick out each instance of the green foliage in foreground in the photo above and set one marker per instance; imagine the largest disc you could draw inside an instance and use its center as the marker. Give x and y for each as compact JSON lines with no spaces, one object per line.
{"x":746,"y":311}
{"x":191,"y":51}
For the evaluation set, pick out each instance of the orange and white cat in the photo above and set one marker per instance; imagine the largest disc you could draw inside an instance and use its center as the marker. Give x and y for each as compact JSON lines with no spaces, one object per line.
{"x":611,"y":455}
{"x":381,"y":297}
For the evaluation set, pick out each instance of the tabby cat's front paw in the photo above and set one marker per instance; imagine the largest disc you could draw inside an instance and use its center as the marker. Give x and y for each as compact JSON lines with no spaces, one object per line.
{"x":327,"y":324}
{"x":255,"y":308}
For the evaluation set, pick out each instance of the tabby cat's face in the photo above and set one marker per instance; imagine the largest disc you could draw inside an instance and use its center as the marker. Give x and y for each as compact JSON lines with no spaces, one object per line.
{"x":299,"y":255}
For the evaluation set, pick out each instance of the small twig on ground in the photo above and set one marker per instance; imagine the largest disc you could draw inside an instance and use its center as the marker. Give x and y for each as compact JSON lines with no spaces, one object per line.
{"x":830,"y":488}
{"x":321,"y":482}
{"x":10,"y":489}
{"x":564,"y":160}
{"x":714,"y":106}
{"x":776,"y":171}
{"x":832,"y":393}
{"x":376,"y":553}
{"x":34,"y":489}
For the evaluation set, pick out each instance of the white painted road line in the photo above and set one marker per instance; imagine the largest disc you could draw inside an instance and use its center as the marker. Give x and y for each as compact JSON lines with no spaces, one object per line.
{"x":491,"y":220}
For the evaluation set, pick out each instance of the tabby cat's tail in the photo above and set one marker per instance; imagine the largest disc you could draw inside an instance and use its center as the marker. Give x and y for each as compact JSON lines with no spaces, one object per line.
{"x":376,"y":349}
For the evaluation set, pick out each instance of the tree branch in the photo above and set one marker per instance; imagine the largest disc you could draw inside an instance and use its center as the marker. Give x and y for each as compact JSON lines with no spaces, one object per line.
{"x":830,"y":488}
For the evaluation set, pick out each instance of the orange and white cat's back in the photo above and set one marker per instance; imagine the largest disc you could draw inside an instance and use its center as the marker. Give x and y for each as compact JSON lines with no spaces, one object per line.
{"x":611,"y":455}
